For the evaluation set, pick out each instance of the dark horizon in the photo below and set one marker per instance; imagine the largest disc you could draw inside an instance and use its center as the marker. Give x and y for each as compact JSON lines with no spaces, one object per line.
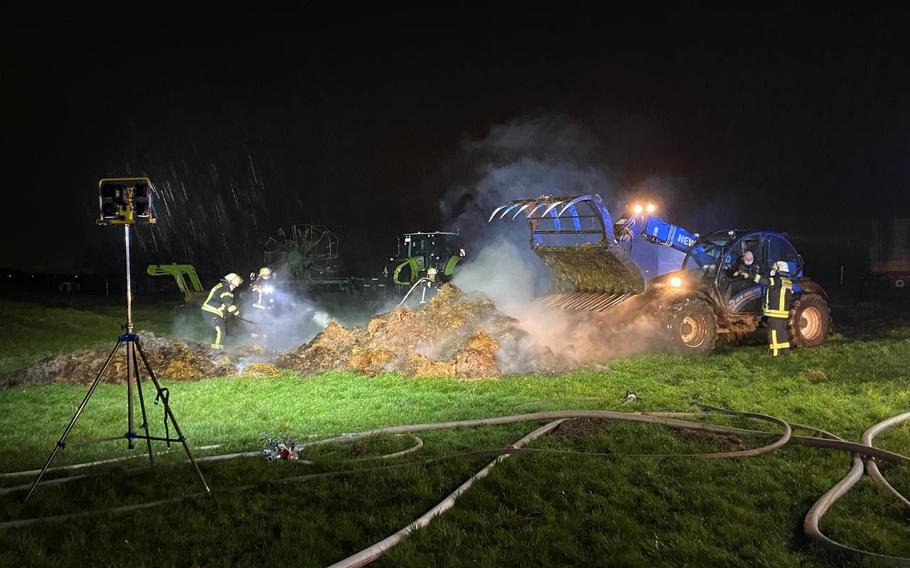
{"x":791,"y":119}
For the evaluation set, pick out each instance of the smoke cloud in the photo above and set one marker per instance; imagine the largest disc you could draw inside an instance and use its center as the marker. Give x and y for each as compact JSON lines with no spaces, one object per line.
{"x":550,"y":155}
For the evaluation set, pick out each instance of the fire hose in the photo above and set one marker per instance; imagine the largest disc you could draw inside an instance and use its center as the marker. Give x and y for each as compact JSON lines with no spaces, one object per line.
{"x":829,"y":441}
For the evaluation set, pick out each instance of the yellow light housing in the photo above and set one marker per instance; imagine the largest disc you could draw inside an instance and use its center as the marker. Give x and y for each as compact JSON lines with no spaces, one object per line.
{"x":637,"y":209}
{"x":676,"y":282}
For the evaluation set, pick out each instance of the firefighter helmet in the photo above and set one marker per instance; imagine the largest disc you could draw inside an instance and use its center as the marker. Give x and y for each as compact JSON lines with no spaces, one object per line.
{"x":781,"y":266}
{"x":265,"y":273}
{"x":233,"y":280}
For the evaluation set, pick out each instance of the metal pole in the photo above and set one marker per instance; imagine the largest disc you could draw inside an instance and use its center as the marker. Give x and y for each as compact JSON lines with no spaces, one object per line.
{"x":130,"y":349}
{"x":129,"y":286}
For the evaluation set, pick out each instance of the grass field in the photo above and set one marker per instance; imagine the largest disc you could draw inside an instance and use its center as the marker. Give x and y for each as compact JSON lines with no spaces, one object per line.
{"x":534,"y":509}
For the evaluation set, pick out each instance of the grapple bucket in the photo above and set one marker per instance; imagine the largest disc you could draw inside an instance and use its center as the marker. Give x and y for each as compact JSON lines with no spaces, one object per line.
{"x":574,"y":237}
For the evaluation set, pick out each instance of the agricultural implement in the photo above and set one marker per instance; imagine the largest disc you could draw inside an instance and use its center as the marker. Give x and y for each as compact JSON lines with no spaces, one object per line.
{"x":650,"y":267}
{"x":184,"y":275}
{"x":418,"y":252}
{"x":306,"y":256}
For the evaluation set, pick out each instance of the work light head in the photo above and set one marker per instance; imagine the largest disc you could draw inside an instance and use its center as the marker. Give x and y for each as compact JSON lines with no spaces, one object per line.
{"x":125,"y":201}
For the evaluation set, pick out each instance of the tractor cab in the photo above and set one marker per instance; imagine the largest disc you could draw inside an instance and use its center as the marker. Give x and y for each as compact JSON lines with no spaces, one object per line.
{"x":718,"y":260}
{"x":417,"y":252}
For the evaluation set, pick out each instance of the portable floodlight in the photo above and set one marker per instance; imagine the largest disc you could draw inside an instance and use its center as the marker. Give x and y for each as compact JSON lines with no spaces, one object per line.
{"x":125,"y":201}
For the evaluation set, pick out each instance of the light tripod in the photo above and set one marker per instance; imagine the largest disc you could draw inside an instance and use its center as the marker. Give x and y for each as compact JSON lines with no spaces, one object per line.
{"x":134,"y":353}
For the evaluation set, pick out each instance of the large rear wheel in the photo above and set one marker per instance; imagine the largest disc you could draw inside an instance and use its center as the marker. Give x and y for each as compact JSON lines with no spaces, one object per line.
{"x":809,"y":321}
{"x":692,"y":328}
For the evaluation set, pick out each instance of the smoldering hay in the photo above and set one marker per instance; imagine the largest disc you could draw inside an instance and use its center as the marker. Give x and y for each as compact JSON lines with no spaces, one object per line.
{"x":172,"y":359}
{"x":455,"y":334}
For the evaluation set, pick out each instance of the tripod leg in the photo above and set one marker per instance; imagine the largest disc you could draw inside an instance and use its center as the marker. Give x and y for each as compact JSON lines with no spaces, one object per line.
{"x":167,"y":409}
{"x":145,"y":420}
{"x":62,"y":441}
{"x":130,"y":405}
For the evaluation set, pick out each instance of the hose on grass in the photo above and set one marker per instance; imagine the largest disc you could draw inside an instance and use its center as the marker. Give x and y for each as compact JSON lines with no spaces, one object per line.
{"x":828,"y":441}
{"x":71,"y":467}
{"x":410,"y":429}
{"x":830,"y":497}
{"x":871,"y":467}
{"x":60,"y":480}
{"x":373,"y":552}
{"x":32,"y":472}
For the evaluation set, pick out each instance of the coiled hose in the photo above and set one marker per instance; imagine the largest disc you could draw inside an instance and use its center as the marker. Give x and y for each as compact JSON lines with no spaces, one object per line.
{"x":670,"y":419}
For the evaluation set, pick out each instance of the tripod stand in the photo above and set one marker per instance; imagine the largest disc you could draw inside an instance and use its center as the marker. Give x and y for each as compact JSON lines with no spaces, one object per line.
{"x":134,"y":353}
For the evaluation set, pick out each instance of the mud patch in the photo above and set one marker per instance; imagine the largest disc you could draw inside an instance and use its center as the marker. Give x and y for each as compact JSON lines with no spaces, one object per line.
{"x":581,"y":428}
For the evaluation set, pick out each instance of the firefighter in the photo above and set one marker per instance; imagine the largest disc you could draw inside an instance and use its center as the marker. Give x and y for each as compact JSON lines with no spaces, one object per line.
{"x":429,"y":284}
{"x":219,"y":304}
{"x":778,"y":294}
{"x":263,"y":289}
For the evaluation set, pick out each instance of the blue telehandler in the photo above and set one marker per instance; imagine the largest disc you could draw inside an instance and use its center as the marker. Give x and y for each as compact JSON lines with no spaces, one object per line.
{"x":640,"y":264}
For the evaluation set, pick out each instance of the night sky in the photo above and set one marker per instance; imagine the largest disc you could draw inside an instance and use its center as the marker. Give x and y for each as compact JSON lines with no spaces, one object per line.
{"x":792,"y":120}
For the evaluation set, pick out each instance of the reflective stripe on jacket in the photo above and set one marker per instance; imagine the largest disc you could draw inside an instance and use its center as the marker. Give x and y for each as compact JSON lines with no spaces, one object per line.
{"x":220,"y":301}
{"x":778,"y":295}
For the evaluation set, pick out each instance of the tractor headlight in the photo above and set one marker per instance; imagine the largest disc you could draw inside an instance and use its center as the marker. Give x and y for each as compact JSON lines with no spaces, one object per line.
{"x":651,"y":208}
{"x":637,"y":209}
{"x":676,"y":282}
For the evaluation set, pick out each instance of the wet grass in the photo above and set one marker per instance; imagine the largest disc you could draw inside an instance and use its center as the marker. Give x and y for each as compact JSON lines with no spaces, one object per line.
{"x":533,"y":509}
{"x":31,"y":330}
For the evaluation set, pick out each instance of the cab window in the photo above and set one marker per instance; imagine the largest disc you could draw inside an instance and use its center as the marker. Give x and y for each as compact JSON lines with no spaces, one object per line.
{"x":780,"y":249}
{"x":735,"y":253}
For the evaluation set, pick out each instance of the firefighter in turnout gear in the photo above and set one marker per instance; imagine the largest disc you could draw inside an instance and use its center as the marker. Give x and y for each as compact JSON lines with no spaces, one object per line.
{"x":219,"y":304}
{"x":430,"y":285}
{"x":778,"y":295}
{"x":262,"y":289}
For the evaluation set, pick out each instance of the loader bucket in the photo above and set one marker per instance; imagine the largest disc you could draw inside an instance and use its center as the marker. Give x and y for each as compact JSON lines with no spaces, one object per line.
{"x":574,"y":237}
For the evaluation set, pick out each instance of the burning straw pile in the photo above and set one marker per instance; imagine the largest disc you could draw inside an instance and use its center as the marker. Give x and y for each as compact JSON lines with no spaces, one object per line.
{"x":453,"y":335}
{"x":170,"y":358}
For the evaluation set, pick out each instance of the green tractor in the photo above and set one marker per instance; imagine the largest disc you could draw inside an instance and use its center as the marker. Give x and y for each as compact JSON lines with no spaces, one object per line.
{"x":417,"y":252}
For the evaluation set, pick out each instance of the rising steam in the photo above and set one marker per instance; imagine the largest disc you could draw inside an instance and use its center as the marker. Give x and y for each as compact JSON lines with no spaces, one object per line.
{"x":543,"y":156}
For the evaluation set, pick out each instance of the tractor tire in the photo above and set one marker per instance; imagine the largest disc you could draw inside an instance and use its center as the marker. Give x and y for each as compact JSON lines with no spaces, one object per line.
{"x":810,"y":320}
{"x":692,"y":328}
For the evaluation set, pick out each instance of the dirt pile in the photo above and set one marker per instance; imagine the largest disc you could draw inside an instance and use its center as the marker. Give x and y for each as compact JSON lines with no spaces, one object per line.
{"x":170,"y":359}
{"x":453,"y":335}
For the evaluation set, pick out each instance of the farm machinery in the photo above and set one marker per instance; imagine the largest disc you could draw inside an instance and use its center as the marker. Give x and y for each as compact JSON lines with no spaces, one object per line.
{"x":418,"y":252}
{"x":643,"y":265}
{"x":306,"y":256}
